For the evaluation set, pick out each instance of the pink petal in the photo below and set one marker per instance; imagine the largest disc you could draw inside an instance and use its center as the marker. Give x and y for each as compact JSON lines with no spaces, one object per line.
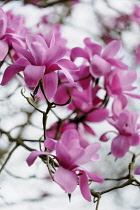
{"x":78,"y":52}
{"x":32,"y":157}
{"x":33,"y":74}
{"x":118,"y":63}
{"x":93,"y":48}
{"x":89,"y":129}
{"x":97,"y":115}
{"x":54,"y":54}
{"x":50,"y":144}
{"x":30,"y":38}
{"x":66,"y":179}
{"x":50,"y":84}
{"x":10,"y":72}
{"x":111,"y":49}
{"x":84,"y":187}
{"x":120,"y":146}
{"x":133,"y":95}
{"x":3,"y":49}
{"x":89,"y":154}
{"x":135,"y":139}
{"x":24,"y":52}
{"x":137,"y":171}
{"x":62,"y":90}
{"x":38,"y":52}
{"x":95,"y":177}
{"x":99,"y":66}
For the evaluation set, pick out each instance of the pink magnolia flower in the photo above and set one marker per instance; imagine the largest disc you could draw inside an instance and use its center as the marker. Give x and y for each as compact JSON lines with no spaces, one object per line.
{"x":100,"y":62}
{"x":11,"y":30}
{"x":127,"y":136}
{"x":70,"y":156}
{"x":40,"y":61}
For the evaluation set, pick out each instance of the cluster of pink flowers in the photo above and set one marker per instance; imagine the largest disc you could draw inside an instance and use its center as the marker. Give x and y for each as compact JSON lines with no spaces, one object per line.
{"x":45,"y":58}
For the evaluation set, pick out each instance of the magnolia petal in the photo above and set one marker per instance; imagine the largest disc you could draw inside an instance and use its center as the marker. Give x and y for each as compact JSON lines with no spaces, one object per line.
{"x":3,"y":49}
{"x":78,"y":52}
{"x":118,"y":63}
{"x":53,"y":55}
{"x":89,"y":154}
{"x":10,"y":72}
{"x":95,"y":177}
{"x":133,"y":95}
{"x":30,"y":38}
{"x":120,"y":146}
{"x":84,"y":187}
{"x":89,"y":129}
{"x":24,"y":52}
{"x":50,"y":144}
{"x":32,"y":157}
{"x":92,"y":47}
{"x":50,"y":84}
{"x":97,"y":115}
{"x":33,"y":74}
{"x":38,"y":52}
{"x":62,"y":90}
{"x":66,"y":179}
{"x":111,"y":49}
{"x":137,"y":171}
{"x":67,"y":64}
{"x":99,"y":66}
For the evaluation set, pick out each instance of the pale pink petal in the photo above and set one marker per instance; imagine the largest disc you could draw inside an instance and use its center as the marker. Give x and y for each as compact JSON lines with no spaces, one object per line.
{"x":99,"y":66}
{"x":84,"y":187}
{"x":50,"y":84}
{"x":95,"y":177}
{"x":111,"y":49}
{"x":118,"y":63}
{"x":10,"y":72}
{"x":137,"y":171}
{"x":120,"y":146}
{"x":3,"y":49}
{"x":32,"y":157}
{"x":78,"y":52}
{"x":69,"y":137}
{"x":97,"y":115}
{"x":30,"y":38}
{"x":66,"y":179}
{"x":133,"y":95}
{"x":89,"y":154}
{"x":33,"y":74}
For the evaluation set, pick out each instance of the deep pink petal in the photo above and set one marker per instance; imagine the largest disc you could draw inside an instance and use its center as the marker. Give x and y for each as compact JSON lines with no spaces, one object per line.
{"x":120,"y":146}
{"x":84,"y":187}
{"x":78,"y":52}
{"x":50,"y":84}
{"x":62,"y":90}
{"x":97,"y":115}
{"x":89,"y":129}
{"x":111,"y":49}
{"x":32,"y":157}
{"x":10,"y":72}
{"x":99,"y":66}
{"x":135,"y":140}
{"x":66,"y":179}
{"x":3,"y":49}
{"x":33,"y":74}
{"x":137,"y":171}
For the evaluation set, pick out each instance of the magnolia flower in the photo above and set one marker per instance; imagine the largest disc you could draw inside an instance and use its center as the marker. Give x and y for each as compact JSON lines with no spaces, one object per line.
{"x":100,"y":62}
{"x":70,"y":156}
{"x":40,"y":61}
{"x":11,"y":31}
{"x":127,"y":134}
